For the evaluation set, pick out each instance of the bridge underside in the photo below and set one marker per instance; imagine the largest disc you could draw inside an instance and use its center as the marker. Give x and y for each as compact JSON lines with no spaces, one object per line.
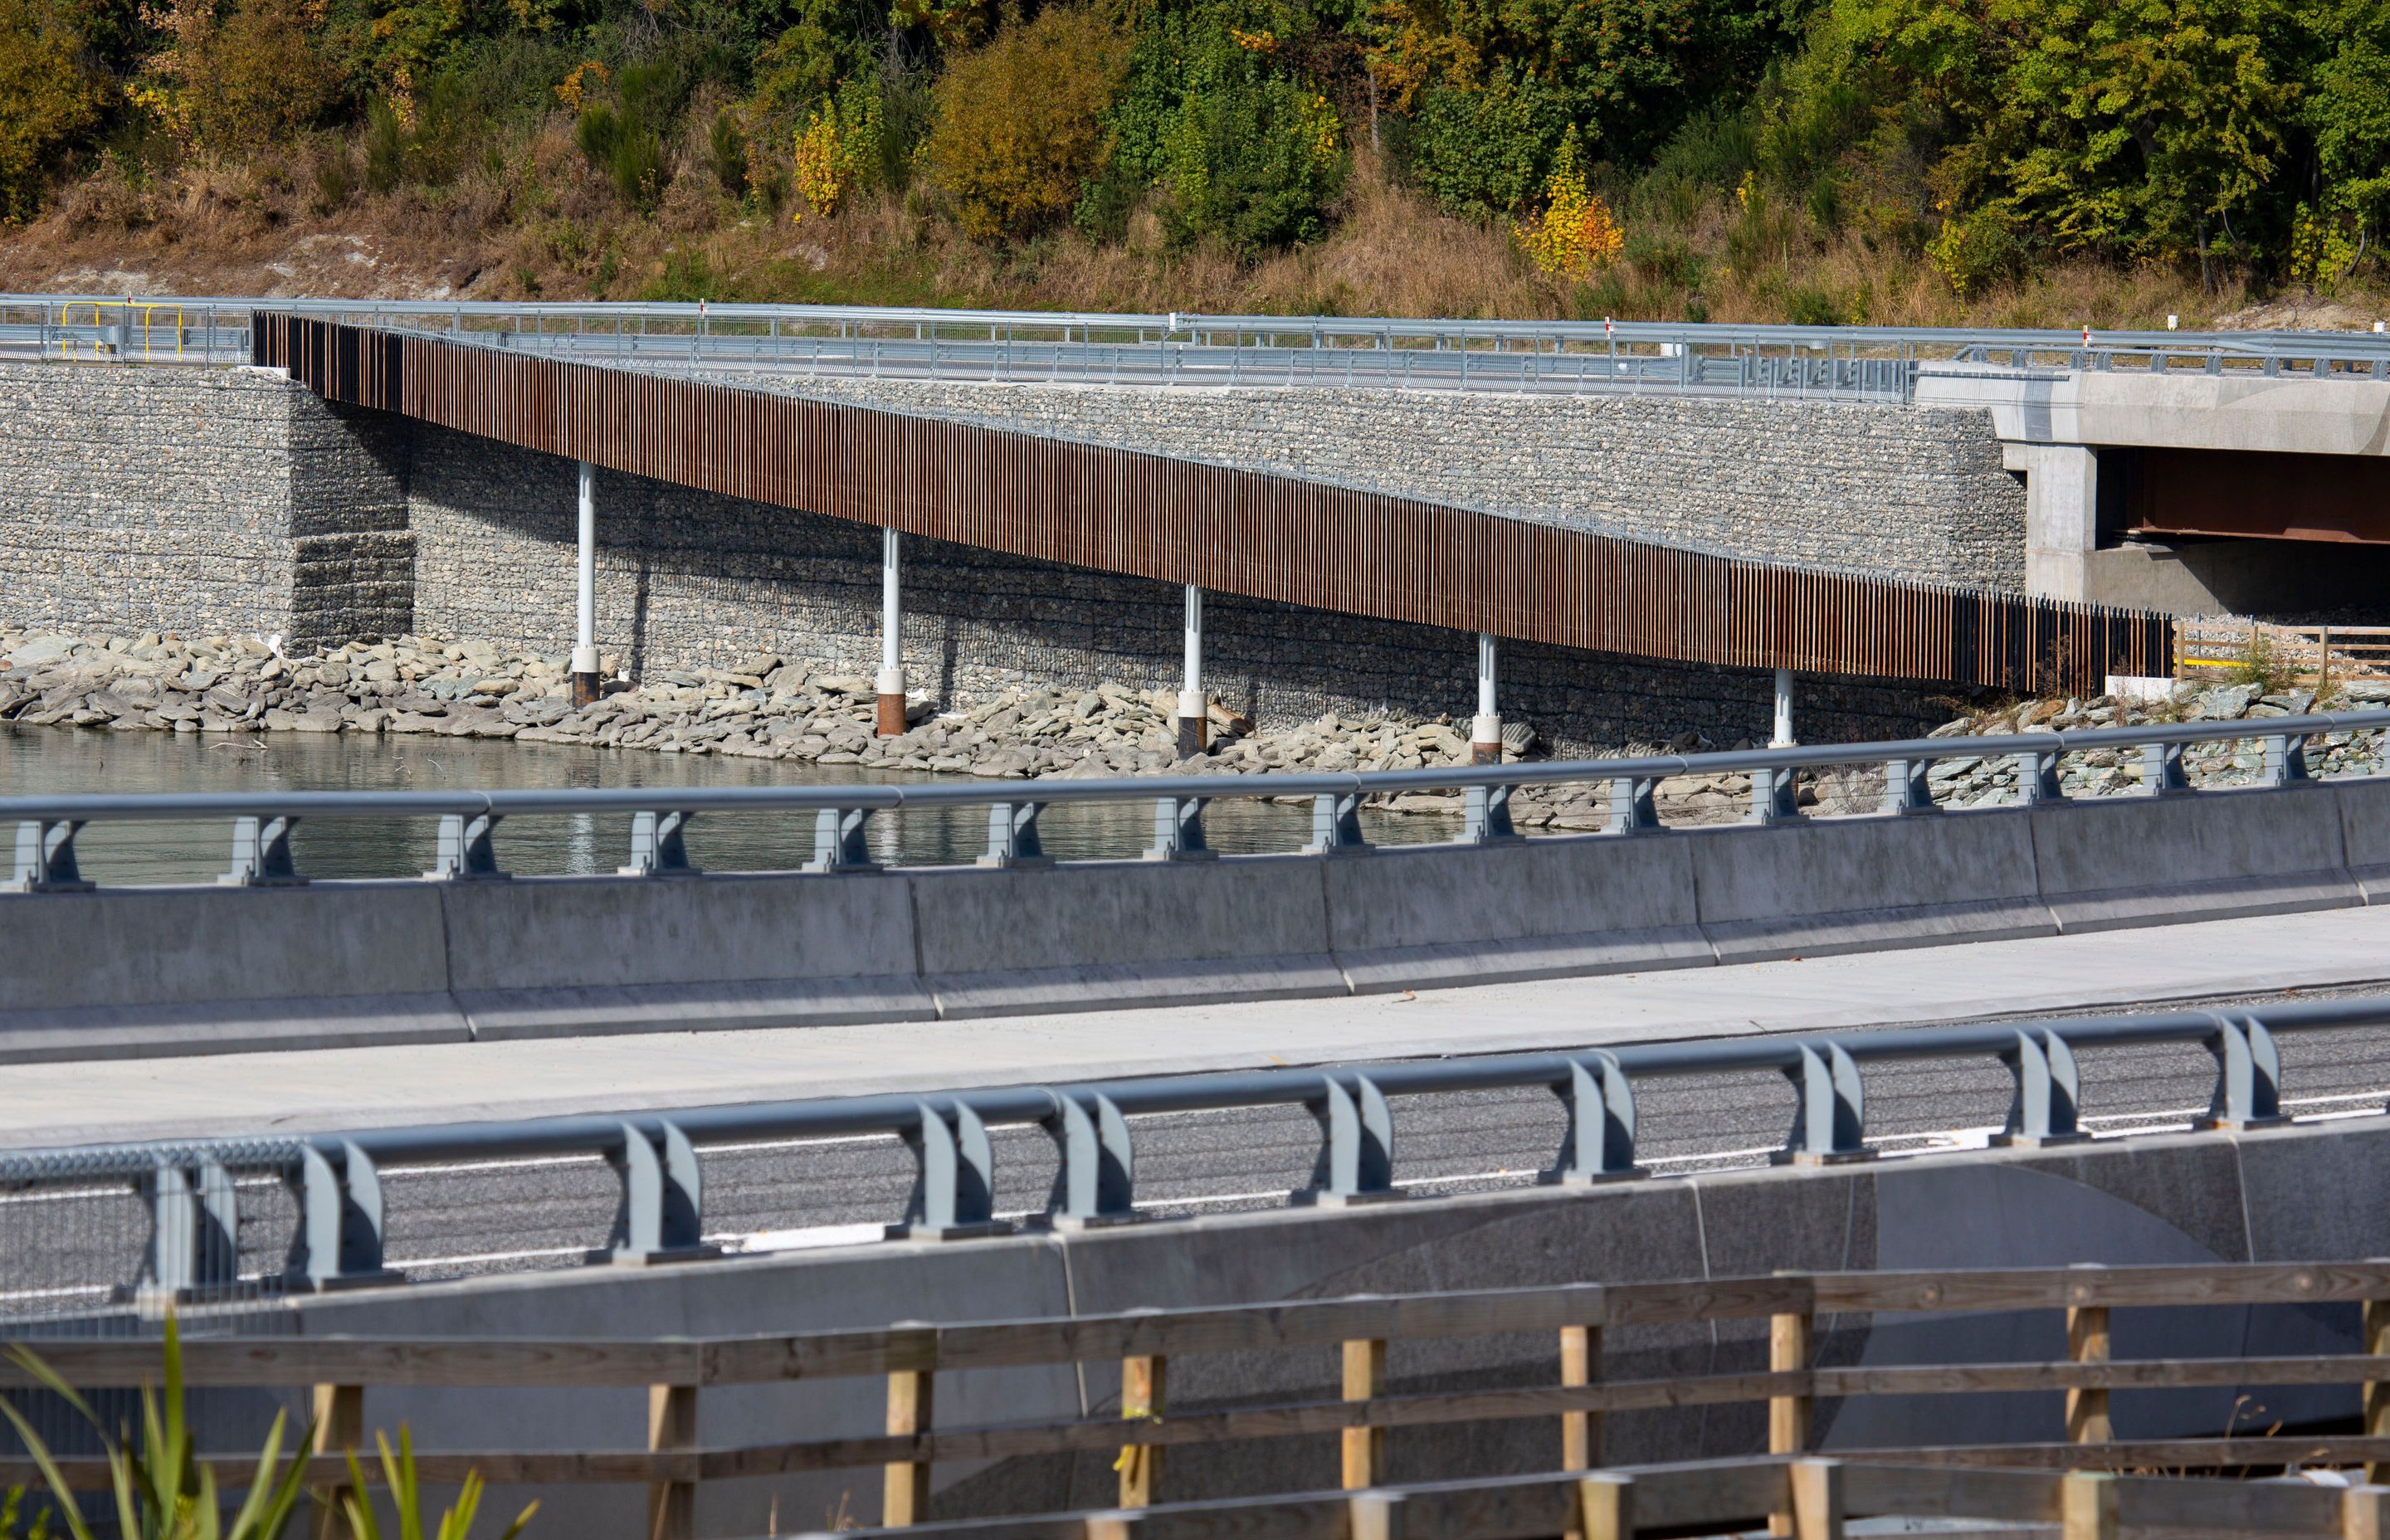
{"x":1231,"y":530}
{"x":2234,"y":493}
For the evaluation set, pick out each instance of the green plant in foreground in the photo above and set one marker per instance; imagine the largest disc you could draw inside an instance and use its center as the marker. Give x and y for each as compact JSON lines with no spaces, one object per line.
{"x":407,"y":1497}
{"x":164,"y":1492}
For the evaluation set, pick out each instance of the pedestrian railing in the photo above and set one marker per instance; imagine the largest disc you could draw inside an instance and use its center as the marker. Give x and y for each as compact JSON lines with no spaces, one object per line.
{"x":1590,"y":1327}
{"x":469,"y":821}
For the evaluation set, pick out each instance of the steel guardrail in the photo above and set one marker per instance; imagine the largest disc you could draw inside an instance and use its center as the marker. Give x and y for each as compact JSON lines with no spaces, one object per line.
{"x":336,"y":1179}
{"x":263,"y":821}
{"x":1872,"y":363}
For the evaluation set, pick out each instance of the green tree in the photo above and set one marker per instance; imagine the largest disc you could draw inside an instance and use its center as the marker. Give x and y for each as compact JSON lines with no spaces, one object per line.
{"x":50,"y":98}
{"x":2133,"y":128}
{"x":1021,"y":122}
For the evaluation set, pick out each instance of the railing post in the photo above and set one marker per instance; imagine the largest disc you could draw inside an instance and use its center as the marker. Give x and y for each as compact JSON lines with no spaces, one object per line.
{"x":1601,"y":1143}
{"x":1012,"y":836}
{"x":1905,"y":788}
{"x":2048,"y":1098}
{"x":657,"y":845}
{"x":2087,"y":1342}
{"x":1580,"y":1366}
{"x":1143,"y":1385}
{"x":2286,"y":760}
{"x":1775,"y":797}
{"x":1788,"y":1415}
{"x":2248,"y":1077}
{"x":1817,"y":1493}
{"x":2365,"y":1512}
{"x":839,"y":842}
{"x":956,"y":1195}
{"x":1336,"y":825}
{"x":45,"y":857}
{"x":2037,"y":778}
{"x":467,"y":851}
{"x":1605,"y":1507}
{"x":2162,"y":769}
{"x":2087,"y":1506}
{"x":260,"y":854}
{"x":1365,"y":1448}
{"x":660,"y":1218}
{"x":1359,"y":1156}
{"x":905,"y":1491}
{"x":1099,"y":1179}
{"x":1634,"y":809}
{"x":339,"y":1412}
{"x":2376,"y":1330}
{"x":1374,"y":1516}
{"x":1829,"y":1120}
{"x":1178,"y":830}
{"x":1486,"y":816}
{"x":672,"y":1427}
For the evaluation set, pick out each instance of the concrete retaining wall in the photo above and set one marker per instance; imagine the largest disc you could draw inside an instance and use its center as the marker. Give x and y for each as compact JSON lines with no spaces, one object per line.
{"x":2306,"y":1194}
{"x":143,"y":971}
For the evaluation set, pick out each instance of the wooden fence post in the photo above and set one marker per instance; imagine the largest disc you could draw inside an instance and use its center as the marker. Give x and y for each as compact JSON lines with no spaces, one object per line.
{"x":1365,"y":1448}
{"x":672,"y":1425}
{"x":1581,"y":1365}
{"x":339,"y":1426}
{"x":1605,"y":1507}
{"x":906,"y":1497}
{"x":2087,"y":1342}
{"x":2377,"y":1392}
{"x":1817,"y":1493}
{"x":2087,"y":1506}
{"x":1142,"y":1388}
{"x":1375,"y":1516}
{"x":2364,"y":1513}
{"x":1788,"y":1415}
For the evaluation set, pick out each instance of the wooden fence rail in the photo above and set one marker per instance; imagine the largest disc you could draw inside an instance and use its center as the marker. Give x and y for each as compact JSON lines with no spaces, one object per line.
{"x":1580,"y":1319}
{"x":2309,"y":655}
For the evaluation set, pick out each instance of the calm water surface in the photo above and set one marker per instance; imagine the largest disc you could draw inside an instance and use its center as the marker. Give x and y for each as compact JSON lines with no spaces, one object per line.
{"x":35,"y":760}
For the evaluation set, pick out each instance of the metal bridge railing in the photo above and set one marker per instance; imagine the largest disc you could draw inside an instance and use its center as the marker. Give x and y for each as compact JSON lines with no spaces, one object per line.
{"x":336,"y":1216}
{"x":265,"y":821}
{"x":1872,"y":364}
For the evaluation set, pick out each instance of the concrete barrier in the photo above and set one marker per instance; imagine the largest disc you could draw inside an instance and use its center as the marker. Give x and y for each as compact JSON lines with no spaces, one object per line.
{"x":566,"y":955}
{"x":139,"y":971}
{"x":1418,"y":916}
{"x":2139,"y":860}
{"x":2313,"y":1193}
{"x":1102,"y":934}
{"x":1860,"y":883}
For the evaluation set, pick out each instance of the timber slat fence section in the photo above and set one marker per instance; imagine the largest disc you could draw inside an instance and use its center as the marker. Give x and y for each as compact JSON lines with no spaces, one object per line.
{"x":1578,"y":1316}
{"x":1237,"y":531}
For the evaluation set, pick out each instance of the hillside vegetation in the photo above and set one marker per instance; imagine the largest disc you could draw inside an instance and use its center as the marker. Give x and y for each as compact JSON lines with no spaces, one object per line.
{"x":2055,"y":162}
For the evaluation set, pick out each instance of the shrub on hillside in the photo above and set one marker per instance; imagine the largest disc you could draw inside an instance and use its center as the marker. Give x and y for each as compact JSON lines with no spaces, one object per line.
{"x":1020,"y":124}
{"x":49,"y":97}
{"x":237,"y":79}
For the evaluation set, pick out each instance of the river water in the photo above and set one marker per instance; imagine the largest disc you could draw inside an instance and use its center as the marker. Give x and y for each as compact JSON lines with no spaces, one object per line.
{"x":37,"y":760}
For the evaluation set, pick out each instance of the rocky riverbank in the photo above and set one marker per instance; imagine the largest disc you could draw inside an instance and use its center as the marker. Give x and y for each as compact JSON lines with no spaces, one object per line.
{"x":775,"y":708}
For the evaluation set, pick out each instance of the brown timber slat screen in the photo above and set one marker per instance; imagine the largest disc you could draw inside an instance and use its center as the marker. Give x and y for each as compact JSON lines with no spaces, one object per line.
{"x":1236,"y":532}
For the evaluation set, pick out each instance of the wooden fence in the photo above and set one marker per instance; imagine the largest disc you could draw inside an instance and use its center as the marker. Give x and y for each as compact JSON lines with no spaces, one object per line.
{"x":1808,"y":1499}
{"x":1576,"y":1402}
{"x":2307,"y":655}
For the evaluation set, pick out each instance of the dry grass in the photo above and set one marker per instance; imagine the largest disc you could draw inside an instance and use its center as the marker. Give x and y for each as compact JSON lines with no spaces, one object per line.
{"x":535,"y":221}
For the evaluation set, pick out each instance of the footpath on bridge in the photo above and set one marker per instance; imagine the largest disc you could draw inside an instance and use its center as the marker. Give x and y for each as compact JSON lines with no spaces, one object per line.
{"x":298,"y":1092}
